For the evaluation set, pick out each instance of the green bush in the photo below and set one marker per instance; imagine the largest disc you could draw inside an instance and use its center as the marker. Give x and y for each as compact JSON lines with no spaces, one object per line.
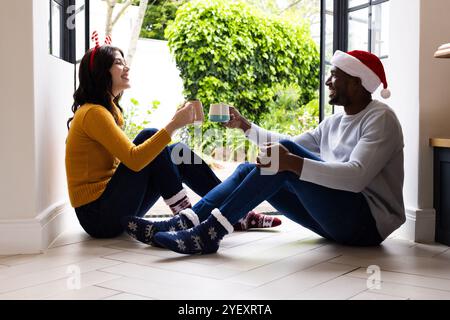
{"x":132,"y":126}
{"x":228,"y":51}
{"x":285,"y":115}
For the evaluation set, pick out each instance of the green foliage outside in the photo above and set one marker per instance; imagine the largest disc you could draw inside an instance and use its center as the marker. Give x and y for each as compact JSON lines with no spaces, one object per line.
{"x":228,"y":51}
{"x":159,"y":14}
{"x":285,"y":116}
{"x":131,"y":114}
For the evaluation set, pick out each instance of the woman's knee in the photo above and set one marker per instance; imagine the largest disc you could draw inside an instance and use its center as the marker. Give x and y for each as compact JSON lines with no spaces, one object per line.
{"x":145,"y":135}
{"x":180,"y":153}
{"x":180,"y":148}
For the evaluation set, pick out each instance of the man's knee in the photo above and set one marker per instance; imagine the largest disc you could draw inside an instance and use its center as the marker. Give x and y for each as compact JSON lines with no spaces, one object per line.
{"x":298,"y":149}
{"x":289,"y":144}
{"x":245,"y":168}
{"x":145,"y":135}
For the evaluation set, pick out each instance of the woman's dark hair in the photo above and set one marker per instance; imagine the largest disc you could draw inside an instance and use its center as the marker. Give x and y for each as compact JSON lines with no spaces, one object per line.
{"x":96,"y":84}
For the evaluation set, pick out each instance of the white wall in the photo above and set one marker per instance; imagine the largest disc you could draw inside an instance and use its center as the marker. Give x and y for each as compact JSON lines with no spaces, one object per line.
{"x":421,"y":98}
{"x":36,"y":101}
{"x":17,"y":158}
{"x":154,"y":76}
{"x":53,"y":87}
{"x":402,"y":70}
{"x":434,"y":88}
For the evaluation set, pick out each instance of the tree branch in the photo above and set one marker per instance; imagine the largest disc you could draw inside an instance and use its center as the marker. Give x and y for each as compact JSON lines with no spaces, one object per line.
{"x":136,"y":31}
{"x":122,"y":11}
{"x":110,"y":4}
{"x":290,"y":6}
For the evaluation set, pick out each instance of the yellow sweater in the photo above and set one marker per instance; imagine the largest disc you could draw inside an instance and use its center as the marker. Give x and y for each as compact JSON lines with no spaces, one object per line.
{"x":96,"y":145}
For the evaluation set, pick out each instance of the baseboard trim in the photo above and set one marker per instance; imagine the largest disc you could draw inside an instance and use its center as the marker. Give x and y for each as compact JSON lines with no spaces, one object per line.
{"x":419,"y":225}
{"x":30,"y":236}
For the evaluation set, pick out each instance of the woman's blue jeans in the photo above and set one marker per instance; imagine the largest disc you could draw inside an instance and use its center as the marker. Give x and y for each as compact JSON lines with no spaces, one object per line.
{"x":337,"y":215}
{"x":130,"y":193}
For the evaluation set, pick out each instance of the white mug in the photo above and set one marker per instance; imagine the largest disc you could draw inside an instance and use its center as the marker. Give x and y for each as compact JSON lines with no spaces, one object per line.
{"x":219,"y":112}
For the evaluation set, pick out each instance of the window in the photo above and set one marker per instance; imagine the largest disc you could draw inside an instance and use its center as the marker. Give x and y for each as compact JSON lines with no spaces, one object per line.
{"x":368,"y":26}
{"x":69,"y":29}
{"x":351,"y":25}
{"x":326,"y":52}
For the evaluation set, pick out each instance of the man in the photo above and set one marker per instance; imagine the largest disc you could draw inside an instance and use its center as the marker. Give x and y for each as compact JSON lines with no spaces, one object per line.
{"x":342,"y":180}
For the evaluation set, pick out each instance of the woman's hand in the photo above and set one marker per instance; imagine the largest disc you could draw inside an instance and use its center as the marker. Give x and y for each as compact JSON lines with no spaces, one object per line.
{"x":183,"y":116}
{"x":237,"y":121}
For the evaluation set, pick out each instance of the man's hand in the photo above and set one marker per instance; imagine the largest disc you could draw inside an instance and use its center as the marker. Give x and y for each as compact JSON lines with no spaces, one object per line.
{"x":237,"y":121}
{"x":275,"y":157}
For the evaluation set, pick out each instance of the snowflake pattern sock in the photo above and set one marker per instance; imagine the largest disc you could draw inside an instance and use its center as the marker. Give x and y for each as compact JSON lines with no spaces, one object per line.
{"x":178,"y":202}
{"x":256,"y":220}
{"x":202,"y":239}
{"x":143,"y":230}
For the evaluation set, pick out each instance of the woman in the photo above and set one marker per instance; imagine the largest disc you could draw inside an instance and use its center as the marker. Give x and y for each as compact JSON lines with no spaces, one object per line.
{"x":109,"y":177}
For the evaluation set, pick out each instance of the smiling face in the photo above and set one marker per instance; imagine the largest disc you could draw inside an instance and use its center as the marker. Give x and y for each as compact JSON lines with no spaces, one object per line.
{"x":120,"y":74}
{"x":342,"y":87}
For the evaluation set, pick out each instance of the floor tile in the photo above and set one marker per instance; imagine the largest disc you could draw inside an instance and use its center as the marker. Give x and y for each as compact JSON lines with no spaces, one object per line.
{"x":187,"y":285}
{"x":406,"y":279}
{"x":127,"y":296}
{"x":281,"y":268}
{"x":292,"y":285}
{"x":430,"y":267}
{"x":59,"y":286}
{"x":218,"y":272}
{"x":367,"y":295}
{"x":38,"y":277}
{"x":88,"y":293}
{"x":341,"y":288}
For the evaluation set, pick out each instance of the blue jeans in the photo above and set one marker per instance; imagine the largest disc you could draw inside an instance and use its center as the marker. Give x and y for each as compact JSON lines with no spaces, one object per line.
{"x":337,"y":215}
{"x":130,"y":193}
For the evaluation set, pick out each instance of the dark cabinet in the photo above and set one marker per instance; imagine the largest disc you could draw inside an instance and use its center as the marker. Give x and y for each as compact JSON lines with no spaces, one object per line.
{"x":442,"y":189}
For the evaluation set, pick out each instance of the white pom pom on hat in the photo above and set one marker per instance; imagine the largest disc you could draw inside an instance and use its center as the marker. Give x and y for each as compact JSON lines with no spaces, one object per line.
{"x":385,"y":93}
{"x":364,"y":65}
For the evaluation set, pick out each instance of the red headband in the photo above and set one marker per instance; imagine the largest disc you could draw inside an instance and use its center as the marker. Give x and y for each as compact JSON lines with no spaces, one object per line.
{"x":97,"y":45}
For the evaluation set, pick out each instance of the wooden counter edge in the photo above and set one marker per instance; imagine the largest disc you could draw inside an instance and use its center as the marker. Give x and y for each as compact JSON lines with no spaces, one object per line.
{"x":440,"y":142}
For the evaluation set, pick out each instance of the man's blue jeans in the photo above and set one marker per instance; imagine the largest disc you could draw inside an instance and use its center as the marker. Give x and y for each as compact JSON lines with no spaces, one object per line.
{"x":337,"y":215}
{"x":130,"y":193}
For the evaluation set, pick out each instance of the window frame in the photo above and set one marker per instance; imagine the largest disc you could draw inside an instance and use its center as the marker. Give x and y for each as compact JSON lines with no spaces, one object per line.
{"x":341,"y":13}
{"x":369,"y":5}
{"x":67,"y":36}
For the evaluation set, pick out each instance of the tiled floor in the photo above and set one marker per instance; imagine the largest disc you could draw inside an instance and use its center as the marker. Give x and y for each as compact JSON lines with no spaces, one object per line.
{"x":288,"y":262}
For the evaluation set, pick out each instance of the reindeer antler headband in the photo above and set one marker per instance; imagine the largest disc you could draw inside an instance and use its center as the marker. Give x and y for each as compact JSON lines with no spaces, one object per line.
{"x":97,"y":46}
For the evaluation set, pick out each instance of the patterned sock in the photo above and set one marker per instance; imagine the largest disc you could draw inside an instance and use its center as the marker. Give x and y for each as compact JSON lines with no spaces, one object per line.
{"x":143,"y":230}
{"x":202,"y":239}
{"x":256,"y":220}
{"x":178,"y":202}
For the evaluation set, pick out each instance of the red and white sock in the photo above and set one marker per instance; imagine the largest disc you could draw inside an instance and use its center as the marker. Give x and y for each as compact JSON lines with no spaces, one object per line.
{"x":178,"y":202}
{"x":256,"y":220}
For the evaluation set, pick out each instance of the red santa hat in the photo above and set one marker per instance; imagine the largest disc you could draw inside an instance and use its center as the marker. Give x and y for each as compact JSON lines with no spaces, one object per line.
{"x":364,"y":65}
